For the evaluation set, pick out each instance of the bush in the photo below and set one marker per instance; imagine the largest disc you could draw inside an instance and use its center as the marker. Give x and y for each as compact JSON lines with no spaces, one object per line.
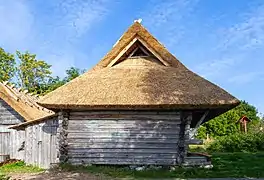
{"x":252,"y":142}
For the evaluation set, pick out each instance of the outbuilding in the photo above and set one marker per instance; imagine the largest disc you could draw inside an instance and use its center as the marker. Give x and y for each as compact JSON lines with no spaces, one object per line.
{"x":138,"y":105}
{"x":16,"y":107}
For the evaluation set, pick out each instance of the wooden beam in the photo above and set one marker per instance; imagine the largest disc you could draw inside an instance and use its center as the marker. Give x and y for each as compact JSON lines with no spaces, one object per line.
{"x":122,"y":52}
{"x":112,"y":63}
{"x":194,"y":130}
{"x":153,"y":52}
{"x":195,"y":142}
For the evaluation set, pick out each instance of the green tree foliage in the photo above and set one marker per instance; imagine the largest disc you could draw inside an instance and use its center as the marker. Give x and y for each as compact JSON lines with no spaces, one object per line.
{"x":7,"y":65}
{"x":72,"y":73}
{"x":56,"y":82}
{"x":32,"y":74}
{"x":225,"y":124}
{"x":251,"y":142}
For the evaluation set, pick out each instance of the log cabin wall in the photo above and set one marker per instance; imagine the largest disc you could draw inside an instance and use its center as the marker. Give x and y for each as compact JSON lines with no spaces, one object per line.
{"x":124,"y":137}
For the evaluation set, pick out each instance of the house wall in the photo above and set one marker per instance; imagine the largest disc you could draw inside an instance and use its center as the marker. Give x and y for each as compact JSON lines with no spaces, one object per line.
{"x":9,"y":143}
{"x":41,"y":143}
{"x":125,"y":137}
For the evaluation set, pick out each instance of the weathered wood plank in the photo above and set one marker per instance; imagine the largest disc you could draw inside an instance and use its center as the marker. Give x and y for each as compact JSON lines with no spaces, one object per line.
{"x":124,"y":156}
{"x":127,"y":150}
{"x":123,"y":145}
{"x":85,"y":135}
{"x":146,"y":161}
{"x":123,"y":140}
{"x":109,"y":137}
{"x":125,"y":112}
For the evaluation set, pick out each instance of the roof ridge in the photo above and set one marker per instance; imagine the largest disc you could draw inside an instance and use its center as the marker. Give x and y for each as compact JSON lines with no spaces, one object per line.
{"x":23,"y":95}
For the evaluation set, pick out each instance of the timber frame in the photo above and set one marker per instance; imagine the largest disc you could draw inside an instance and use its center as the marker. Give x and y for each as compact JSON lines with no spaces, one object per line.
{"x":137,"y":38}
{"x":195,"y":129}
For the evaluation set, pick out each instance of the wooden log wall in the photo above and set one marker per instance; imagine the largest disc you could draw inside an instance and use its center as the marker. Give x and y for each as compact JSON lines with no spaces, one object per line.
{"x":41,"y":143}
{"x":125,"y":137}
{"x":10,"y":140}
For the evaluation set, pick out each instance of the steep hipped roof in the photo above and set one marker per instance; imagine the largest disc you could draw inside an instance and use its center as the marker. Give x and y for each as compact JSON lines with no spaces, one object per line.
{"x":121,"y":81}
{"x":23,"y":103}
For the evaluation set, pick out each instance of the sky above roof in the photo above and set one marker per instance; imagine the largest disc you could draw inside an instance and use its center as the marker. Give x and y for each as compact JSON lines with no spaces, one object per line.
{"x":221,"y":40}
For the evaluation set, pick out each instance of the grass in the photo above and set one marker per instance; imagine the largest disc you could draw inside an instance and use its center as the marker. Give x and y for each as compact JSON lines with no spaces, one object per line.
{"x":19,"y":167}
{"x":236,"y":165}
{"x":4,"y":177}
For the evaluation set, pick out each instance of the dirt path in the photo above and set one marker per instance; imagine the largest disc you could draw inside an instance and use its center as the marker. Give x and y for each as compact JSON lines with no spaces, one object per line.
{"x":87,"y":176}
{"x":57,"y":176}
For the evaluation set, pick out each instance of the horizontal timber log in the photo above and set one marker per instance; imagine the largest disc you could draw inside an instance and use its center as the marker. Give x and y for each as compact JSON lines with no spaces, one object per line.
{"x":125,"y":145}
{"x":146,"y":161}
{"x":81,"y":135}
{"x":123,"y":140}
{"x":127,"y":150}
{"x":126,"y":112}
{"x":123,"y":156}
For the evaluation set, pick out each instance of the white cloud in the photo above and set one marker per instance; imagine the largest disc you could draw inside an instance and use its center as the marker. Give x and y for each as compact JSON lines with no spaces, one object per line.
{"x":214,"y":68}
{"x":79,"y":16}
{"x":246,"y":77}
{"x":235,"y":44}
{"x":168,"y":17}
{"x":52,"y":37}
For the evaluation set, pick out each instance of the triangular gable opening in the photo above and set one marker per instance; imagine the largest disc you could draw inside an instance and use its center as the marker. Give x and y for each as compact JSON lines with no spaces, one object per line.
{"x":140,"y":52}
{"x":137,"y":48}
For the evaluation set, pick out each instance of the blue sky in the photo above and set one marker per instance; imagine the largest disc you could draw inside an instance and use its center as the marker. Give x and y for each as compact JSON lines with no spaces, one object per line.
{"x":222,"y":40}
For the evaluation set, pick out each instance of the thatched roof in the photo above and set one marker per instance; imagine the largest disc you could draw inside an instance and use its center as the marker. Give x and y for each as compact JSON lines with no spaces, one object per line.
{"x":23,"y":102}
{"x":159,"y":81}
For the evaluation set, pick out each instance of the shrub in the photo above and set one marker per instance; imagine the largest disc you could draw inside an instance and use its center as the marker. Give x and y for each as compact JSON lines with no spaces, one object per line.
{"x":252,"y":142}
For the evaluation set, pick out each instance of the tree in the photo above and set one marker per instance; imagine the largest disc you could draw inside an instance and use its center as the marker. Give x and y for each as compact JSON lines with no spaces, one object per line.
{"x":7,"y":65}
{"x":32,"y":74}
{"x":72,"y":73}
{"x":225,"y":124}
{"x":55,"y":82}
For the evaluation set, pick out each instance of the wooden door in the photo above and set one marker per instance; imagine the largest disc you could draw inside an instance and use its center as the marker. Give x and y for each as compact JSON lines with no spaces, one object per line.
{"x":4,"y":145}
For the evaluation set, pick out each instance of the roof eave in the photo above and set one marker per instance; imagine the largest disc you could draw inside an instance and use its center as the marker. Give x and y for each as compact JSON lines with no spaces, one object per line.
{"x":162,"y":107}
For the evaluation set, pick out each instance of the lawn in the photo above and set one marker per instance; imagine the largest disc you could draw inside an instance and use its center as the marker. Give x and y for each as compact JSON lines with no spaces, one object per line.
{"x":17,"y":168}
{"x":225,"y":165}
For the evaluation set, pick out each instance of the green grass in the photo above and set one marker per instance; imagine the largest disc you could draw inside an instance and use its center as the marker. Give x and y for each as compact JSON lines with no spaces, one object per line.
{"x":225,"y":165}
{"x":4,"y":177}
{"x":19,"y":167}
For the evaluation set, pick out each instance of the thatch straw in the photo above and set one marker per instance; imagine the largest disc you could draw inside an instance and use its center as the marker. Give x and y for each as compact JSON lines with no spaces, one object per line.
{"x":23,"y":103}
{"x":138,"y":83}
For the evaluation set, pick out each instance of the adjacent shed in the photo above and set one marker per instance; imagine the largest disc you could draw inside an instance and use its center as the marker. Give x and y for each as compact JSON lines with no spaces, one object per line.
{"x":138,"y":105}
{"x":16,"y":107}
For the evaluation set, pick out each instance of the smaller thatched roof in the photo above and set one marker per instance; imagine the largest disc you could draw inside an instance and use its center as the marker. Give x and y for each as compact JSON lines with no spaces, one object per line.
{"x":23,"y":102}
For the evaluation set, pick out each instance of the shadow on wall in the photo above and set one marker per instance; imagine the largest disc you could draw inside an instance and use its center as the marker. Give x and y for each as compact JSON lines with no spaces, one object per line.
{"x":8,"y":116}
{"x":50,"y":126}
